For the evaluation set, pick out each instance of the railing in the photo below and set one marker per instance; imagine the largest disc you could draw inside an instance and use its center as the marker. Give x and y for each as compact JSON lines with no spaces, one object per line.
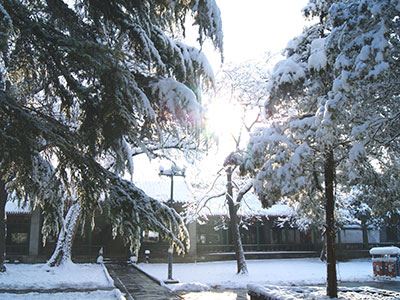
{"x":87,"y":250}
{"x":209,"y":248}
{"x":360,"y":246}
{"x":17,"y":249}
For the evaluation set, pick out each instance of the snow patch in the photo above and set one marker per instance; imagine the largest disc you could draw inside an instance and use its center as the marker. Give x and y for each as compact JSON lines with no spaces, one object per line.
{"x":13,"y":207}
{"x":288,"y":71}
{"x":41,"y":276}
{"x":356,"y":152}
{"x":265,"y":272}
{"x":93,"y":295}
{"x":317,"y":59}
{"x":385,"y":251}
{"x":191,"y":286}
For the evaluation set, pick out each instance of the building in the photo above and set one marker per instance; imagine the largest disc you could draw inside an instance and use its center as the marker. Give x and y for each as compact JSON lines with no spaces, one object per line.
{"x":264,"y":231}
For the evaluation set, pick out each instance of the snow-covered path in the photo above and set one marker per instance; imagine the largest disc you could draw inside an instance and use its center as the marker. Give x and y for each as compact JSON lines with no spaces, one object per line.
{"x":69,"y":282}
{"x":95,"y":295}
{"x":41,"y":277}
{"x":304,"y":271}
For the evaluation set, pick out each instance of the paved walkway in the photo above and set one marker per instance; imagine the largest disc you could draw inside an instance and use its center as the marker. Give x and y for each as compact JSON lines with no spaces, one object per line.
{"x":137,"y":285}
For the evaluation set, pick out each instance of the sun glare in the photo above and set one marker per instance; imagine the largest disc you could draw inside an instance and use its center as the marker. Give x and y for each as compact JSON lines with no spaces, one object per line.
{"x":224,"y":119}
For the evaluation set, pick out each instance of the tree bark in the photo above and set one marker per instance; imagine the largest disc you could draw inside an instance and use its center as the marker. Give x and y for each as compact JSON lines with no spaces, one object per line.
{"x":234,"y":226}
{"x":364,"y":228}
{"x":3,"y":200}
{"x":63,"y":252}
{"x":330,"y":224}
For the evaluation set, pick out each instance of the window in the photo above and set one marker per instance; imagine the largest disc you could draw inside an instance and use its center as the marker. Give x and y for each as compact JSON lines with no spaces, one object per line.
{"x":150,"y":236}
{"x":391,"y":233}
{"x":19,"y":238}
{"x":277,"y":235}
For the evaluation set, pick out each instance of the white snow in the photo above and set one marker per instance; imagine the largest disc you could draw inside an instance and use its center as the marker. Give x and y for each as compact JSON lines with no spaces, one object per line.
{"x":251,"y":206}
{"x":12,"y":207}
{"x":156,"y":186}
{"x":148,"y":179}
{"x":288,"y":71}
{"x":191,"y":286}
{"x":385,"y":251}
{"x":319,"y":293}
{"x":264,"y":272}
{"x":356,"y":152}
{"x":317,"y":59}
{"x":177,"y":98}
{"x":93,"y":295}
{"x":40,"y":276}
{"x":273,"y":293}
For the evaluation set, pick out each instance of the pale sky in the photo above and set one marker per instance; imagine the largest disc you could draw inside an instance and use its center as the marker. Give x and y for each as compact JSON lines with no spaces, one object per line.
{"x":253,"y":27}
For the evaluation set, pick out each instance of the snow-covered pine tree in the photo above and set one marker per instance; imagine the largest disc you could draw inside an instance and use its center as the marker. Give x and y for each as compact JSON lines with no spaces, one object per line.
{"x":382,"y":185}
{"x":85,"y":82}
{"x":331,"y":111}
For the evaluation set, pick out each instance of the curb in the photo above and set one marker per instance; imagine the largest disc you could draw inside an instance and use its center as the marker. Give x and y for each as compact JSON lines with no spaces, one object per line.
{"x":109,"y":278}
{"x":156,"y":280}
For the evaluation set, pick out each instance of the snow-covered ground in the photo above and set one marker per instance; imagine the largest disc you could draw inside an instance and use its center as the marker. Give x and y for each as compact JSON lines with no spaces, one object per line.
{"x":319,"y":293}
{"x":95,"y":295}
{"x":71,"y":281}
{"x":302,"y":278}
{"x":302,"y":271}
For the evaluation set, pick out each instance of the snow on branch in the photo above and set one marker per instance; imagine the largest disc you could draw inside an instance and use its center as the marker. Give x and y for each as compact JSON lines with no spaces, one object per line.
{"x":208,"y":16}
{"x":130,"y":209}
{"x":290,"y":70}
{"x":177,"y":99}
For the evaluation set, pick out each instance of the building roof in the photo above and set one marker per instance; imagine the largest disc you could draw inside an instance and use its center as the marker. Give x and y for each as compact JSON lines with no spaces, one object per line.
{"x":15,"y":208}
{"x":250,"y":206}
{"x":147,"y":178}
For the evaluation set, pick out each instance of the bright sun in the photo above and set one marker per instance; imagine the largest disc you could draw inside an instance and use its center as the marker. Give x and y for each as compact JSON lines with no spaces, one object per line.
{"x":224,"y":119}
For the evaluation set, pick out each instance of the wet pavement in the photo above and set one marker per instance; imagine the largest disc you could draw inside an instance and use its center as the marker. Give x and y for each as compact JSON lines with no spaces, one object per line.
{"x":237,"y":294}
{"x":135,"y":284}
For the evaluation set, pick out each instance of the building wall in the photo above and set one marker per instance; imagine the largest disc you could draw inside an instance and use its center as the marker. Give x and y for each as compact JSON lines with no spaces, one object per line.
{"x":354,"y":235}
{"x":17,"y":234}
{"x":24,"y":239}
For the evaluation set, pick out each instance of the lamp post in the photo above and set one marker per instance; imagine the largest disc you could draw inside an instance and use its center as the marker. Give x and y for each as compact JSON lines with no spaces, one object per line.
{"x":173,"y":171}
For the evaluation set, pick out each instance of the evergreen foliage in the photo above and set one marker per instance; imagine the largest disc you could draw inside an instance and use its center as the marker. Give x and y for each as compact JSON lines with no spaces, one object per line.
{"x":333,"y":112}
{"x":84,"y":83}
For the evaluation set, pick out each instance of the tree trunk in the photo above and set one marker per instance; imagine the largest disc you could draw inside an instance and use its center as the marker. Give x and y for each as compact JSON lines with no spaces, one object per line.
{"x":62,"y":252}
{"x":3,"y":200}
{"x":364,"y":228}
{"x":234,"y":226}
{"x":330,"y":224}
{"x":322,"y":255}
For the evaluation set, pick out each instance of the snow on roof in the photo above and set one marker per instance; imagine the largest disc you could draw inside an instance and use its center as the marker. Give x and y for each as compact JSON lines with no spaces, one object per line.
{"x":147,"y":178}
{"x":355,"y":226}
{"x":13,"y":208}
{"x":385,"y":250}
{"x":160,"y":188}
{"x":251,"y":206}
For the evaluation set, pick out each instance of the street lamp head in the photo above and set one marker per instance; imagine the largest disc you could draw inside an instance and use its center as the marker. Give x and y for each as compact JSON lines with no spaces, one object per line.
{"x":173,"y":171}
{"x":176,"y":171}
